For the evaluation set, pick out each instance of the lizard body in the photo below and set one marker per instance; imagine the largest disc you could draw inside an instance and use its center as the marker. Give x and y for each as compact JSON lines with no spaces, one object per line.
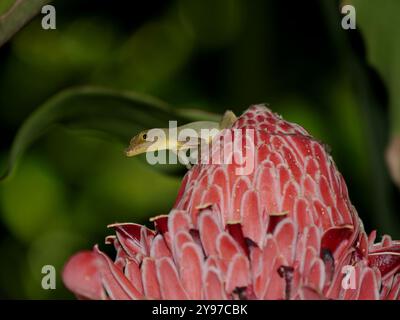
{"x":144,"y":141}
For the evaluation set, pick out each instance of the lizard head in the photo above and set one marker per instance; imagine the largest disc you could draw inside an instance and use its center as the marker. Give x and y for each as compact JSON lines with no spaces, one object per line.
{"x":144,"y":142}
{"x":138,"y":144}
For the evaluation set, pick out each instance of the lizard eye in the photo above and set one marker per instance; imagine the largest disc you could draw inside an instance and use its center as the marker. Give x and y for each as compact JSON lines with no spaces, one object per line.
{"x":144,"y":136}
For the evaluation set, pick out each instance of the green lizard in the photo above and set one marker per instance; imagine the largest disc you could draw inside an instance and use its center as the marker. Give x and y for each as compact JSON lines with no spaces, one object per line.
{"x":141,"y":143}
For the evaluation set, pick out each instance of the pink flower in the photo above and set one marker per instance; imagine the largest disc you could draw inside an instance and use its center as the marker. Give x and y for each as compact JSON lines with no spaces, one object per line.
{"x":287,"y":230}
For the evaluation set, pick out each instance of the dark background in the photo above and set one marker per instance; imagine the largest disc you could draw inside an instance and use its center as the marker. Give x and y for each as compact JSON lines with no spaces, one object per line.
{"x":210,"y":55}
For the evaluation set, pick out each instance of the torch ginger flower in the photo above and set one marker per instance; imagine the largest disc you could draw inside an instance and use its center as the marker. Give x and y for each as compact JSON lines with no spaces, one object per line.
{"x":287,"y":230}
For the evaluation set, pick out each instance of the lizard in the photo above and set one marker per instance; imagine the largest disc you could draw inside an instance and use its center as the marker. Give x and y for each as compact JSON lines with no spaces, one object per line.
{"x":140,"y":143}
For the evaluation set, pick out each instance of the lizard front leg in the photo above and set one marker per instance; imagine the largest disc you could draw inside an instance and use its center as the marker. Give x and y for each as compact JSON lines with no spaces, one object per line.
{"x":228,"y":119}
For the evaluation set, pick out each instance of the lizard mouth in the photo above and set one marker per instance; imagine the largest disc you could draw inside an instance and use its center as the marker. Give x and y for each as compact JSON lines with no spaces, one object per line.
{"x":129,"y":152}
{"x":133,"y":151}
{"x":138,"y":149}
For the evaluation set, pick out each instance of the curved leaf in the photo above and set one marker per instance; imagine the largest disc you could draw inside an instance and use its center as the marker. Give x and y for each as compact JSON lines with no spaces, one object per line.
{"x":17,"y":16}
{"x":380,"y":25}
{"x":118,"y":113}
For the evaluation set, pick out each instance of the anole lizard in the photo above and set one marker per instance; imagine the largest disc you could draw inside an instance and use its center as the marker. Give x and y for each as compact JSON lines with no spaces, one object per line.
{"x":139,"y":143}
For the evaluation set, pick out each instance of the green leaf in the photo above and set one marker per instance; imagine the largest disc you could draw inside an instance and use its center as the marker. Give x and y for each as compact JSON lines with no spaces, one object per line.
{"x":120,"y":114}
{"x":379,"y":24}
{"x":17,"y":16}
{"x":5,"y":5}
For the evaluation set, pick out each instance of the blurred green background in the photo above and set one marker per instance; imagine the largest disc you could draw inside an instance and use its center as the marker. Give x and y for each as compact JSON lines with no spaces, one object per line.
{"x":203,"y":54}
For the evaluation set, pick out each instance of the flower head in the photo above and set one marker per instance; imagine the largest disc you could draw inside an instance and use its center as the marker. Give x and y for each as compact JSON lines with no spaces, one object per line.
{"x":285,"y":230}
